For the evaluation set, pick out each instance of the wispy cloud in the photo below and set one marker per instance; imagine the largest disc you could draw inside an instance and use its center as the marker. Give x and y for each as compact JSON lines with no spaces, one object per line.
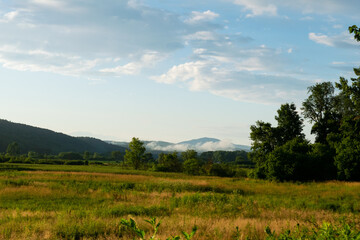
{"x":200,"y":147}
{"x":344,"y":66}
{"x":10,"y":16}
{"x":307,"y":18}
{"x":257,"y":7}
{"x":343,"y":40}
{"x":84,"y":39}
{"x":239,"y":85}
{"x":201,"y":17}
{"x":39,"y":60}
{"x":93,"y":39}
{"x":147,"y":60}
{"x":49,"y":3}
{"x":264,"y":8}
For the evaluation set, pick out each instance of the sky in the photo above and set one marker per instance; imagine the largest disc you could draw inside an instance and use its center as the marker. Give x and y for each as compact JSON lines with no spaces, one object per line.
{"x":165,"y":69}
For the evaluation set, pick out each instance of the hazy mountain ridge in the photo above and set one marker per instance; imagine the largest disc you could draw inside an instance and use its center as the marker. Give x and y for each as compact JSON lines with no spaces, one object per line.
{"x":47,"y":141}
{"x":200,"y":145}
{"x":43,"y":140}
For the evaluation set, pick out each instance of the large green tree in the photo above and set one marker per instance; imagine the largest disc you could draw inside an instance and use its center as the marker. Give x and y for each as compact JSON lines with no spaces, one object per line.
{"x":344,"y":138}
{"x":347,"y":141}
{"x":264,"y":141}
{"x":290,"y":124}
{"x":351,"y":94}
{"x":320,"y":109}
{"x":189,"y":154}
{"x":135,"y":155}
{"x":265,"y":138}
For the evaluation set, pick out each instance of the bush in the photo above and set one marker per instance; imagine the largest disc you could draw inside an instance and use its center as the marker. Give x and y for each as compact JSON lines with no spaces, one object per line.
{"x":70,"y":156}
{"x":322,"y":165}
{"x":168,"y":163}
{"x":289,"y":161}
{"x":74,"y":162}
{"x":222,"y":170}
{"x":192,"y":166}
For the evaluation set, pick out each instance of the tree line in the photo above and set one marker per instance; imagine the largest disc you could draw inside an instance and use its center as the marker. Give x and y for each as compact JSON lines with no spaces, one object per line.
{"x":13,"y":155}
{"x":215,"y":163}
{"x":282,"y":152}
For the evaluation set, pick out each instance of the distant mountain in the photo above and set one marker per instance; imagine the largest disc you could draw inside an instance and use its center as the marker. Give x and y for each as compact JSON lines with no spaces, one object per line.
{"x":159,"y":143}
{"x":121,"y":144}
{"x":46,"y":141}
{"x":213,"y":144}
{"x":200,"y":141}
{"x":200,"y":145}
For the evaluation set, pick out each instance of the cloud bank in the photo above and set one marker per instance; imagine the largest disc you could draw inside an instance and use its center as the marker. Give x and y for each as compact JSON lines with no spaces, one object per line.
{"x":87,"y":37}
{"x":200,"y":147}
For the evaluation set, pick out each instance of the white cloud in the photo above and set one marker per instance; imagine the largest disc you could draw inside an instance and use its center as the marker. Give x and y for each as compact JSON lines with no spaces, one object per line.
{"x":263,"y":7}
{"x":346,"y":67}
{"x":201,"y":35}
{"x":258,"y":74}
{"x":11,"y":15}
{"x":199,"y":51}
{"x":55,"y":4}
{"x":201,"y":16}
{"x":338,"y":63}
{"x":39,"y":60}
{"x":257,"y":7}
{"x":148,"y":59}
{"x":342,"y":40}
{"x":222,"y":80}
{"x":321,"y":39}
{"x":251,"y":64}
{"x":134,"y":3}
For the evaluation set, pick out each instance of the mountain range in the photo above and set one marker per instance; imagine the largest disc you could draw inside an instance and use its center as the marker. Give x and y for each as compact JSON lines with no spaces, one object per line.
{"x":46,"y":141}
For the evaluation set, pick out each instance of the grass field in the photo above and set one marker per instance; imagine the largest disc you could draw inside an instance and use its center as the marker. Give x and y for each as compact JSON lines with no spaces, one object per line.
{"x":88,"y":202}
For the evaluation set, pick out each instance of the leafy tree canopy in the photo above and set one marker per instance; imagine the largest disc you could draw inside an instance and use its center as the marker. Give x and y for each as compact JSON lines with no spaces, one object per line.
{"x":135,"y":156}
{"x":354,"y":29}
{"x":321,"y":109}
{"x":290,"y":124}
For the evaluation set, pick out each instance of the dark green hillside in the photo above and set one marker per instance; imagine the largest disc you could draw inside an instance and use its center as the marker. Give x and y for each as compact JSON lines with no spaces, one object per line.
{"x":46,"y":141}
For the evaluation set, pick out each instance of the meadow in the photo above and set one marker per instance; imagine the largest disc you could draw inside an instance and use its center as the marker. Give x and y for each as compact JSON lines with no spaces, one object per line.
{"x":89,"y":202}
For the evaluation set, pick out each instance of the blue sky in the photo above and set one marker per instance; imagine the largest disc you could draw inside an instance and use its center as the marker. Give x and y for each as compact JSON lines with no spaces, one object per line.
{"x":164,"y":69}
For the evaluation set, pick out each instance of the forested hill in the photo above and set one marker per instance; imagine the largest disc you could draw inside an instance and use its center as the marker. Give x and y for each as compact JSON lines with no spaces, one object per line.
{"x":46,"y":141}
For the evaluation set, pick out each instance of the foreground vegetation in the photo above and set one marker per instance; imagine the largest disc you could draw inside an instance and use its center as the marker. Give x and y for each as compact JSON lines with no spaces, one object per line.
{"x":89,"y":202}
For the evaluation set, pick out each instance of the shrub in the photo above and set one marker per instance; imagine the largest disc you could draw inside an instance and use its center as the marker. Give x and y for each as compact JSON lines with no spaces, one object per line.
{"x":192,"y":166}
